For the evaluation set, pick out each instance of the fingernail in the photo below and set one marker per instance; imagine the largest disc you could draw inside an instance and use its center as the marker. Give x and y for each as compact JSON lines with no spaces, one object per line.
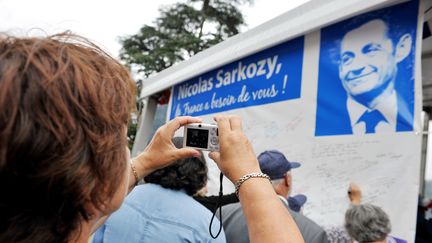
{"x":197,"y":155}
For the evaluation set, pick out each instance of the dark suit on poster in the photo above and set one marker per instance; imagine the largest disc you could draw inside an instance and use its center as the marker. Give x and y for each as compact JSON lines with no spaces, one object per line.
{"x":236,"y":231}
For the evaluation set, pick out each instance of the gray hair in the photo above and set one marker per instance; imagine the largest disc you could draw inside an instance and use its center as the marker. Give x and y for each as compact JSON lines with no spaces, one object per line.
{"x":367,"y":223}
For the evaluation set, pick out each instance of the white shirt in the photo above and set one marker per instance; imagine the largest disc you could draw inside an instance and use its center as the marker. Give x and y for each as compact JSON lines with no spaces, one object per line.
{"x":284,"y":200}
{"x":387,"y":105}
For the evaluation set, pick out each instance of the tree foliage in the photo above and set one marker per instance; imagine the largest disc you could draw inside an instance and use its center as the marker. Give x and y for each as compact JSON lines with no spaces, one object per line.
{"x":181,"y":31}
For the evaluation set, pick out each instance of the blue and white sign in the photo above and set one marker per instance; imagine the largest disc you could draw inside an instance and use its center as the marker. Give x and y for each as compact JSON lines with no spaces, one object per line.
{"x":366,"y":73}
{"x":266,"y":77}
{"x":344,"y":101}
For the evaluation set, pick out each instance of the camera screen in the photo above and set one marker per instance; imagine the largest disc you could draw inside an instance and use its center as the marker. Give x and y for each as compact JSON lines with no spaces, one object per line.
{"x":197,"y":138}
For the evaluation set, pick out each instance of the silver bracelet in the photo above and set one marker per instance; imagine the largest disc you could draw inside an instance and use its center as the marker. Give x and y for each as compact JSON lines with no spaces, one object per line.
{"x":247,"y":177}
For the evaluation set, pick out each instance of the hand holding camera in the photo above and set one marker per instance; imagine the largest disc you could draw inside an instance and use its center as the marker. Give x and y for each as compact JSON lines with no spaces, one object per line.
{"x":161,"y":151}
{"x":236,"y":157}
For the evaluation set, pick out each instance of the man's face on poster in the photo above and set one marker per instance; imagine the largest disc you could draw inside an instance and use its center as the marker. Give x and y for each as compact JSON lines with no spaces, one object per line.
{"x":367,"y":59}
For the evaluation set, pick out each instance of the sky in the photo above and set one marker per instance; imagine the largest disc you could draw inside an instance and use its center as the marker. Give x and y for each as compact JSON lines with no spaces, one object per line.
{"x":103,"y":21}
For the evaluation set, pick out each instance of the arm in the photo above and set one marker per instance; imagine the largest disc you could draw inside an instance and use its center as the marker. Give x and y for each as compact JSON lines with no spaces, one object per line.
{"x":267,"y":218}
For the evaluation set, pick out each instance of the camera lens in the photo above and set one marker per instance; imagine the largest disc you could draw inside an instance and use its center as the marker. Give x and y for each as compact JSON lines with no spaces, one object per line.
{"x":199,"y":125}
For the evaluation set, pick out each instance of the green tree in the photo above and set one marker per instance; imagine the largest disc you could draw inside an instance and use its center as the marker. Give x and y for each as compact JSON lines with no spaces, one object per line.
{"x":181,"y":31}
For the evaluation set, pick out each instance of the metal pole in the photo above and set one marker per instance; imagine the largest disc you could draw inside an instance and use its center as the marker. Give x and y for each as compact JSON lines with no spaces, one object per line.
{"x":145,"y":125}
{"x":424,"y":153}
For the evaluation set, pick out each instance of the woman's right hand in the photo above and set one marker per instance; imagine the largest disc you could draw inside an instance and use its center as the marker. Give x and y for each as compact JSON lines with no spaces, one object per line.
{"x":236,"y":157}
{"x":267,"y":218}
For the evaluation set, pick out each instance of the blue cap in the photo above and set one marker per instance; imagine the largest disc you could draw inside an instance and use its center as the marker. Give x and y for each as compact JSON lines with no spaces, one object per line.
{"x":274,"y":164}
{"x":296,"y":202}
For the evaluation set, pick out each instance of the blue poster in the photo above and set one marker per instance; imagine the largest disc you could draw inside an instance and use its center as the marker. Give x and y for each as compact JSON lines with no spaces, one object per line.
{"x":366,"y":73}
{"x":268,"y":76}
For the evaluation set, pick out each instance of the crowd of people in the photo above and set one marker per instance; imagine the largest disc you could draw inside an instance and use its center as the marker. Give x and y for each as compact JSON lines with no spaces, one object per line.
{"x":66,"y":172}
{"x":64,"y":161}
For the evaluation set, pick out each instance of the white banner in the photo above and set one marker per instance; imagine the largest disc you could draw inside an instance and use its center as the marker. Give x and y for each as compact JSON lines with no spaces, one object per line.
{"x":343,"y":101}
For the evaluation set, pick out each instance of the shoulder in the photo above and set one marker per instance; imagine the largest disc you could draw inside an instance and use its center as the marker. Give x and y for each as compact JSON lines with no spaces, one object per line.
{"x":152,"y":213}
{"x":167,"y":204}
{"x":231,"y":212}
{"x":305,"y":222}
{"x":310,"y":230}
{"x":232,"y":207}
{"x":338,"y":234}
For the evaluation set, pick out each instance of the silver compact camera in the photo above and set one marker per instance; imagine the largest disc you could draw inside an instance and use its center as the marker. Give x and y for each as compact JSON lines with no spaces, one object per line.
{"x":201,"y":136}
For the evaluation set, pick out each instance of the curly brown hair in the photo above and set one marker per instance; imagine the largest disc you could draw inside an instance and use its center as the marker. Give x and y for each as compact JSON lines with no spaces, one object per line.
{"x":64,"y":109}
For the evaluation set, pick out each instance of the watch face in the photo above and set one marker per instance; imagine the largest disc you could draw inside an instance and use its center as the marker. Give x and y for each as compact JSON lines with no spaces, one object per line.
{"x":197,"y":138}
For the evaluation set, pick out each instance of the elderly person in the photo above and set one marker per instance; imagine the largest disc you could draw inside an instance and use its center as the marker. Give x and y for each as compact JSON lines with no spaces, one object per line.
{"x":367,"y":223}
{"x":363,"y":222}
{"x":151,"y":212}
{"x":64,"y":161}
{"x":275,"y":164}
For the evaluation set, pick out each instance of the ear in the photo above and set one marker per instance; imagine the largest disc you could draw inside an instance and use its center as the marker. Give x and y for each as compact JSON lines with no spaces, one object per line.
{"x":92,"y":211}
{"x":287,"y":180}
{"x":403,"y":47}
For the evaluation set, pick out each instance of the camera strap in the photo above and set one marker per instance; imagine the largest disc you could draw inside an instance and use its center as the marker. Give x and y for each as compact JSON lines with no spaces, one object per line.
{"x":219,"y":205}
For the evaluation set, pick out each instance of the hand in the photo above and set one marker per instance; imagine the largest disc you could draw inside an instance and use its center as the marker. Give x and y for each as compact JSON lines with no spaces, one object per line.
{"x":354,"y":194}
{"x":161,"y":151}
{"x":236,"y":157}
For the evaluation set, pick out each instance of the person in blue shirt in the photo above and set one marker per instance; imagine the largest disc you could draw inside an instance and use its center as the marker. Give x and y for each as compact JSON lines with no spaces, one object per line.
{"x":163,"y":210}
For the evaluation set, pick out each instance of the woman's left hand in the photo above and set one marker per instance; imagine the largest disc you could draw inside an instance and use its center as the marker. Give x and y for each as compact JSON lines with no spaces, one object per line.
{"x":161,"y":151}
